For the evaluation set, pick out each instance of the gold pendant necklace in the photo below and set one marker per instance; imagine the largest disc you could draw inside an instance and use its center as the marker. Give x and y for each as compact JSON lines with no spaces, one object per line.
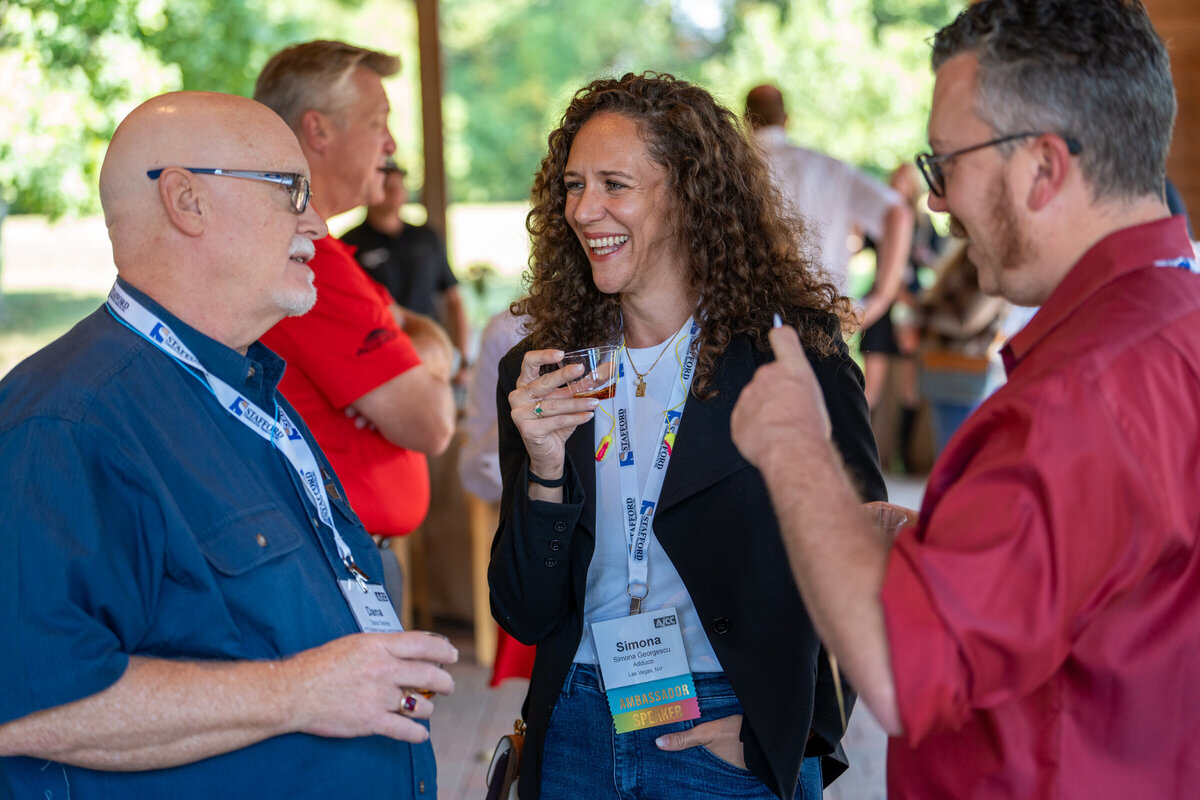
{"x":641,"y":376}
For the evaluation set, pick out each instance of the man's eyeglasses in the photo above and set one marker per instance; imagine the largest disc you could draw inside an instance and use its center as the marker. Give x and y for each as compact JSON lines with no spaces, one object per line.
{"x":295,"y":183}
{"x":931,"y":165}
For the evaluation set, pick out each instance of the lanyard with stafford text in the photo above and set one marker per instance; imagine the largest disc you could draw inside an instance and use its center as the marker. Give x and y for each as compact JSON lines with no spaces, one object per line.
{"x":372,"y":611}
{"x":639,"y":509}
{"x":642,"y":658}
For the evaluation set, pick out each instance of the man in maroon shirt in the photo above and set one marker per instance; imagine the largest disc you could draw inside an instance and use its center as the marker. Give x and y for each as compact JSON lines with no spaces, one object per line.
{"x":1033,"y":633}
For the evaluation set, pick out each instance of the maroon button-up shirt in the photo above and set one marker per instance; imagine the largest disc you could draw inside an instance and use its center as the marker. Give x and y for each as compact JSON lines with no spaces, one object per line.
{"x":1043,"y":616}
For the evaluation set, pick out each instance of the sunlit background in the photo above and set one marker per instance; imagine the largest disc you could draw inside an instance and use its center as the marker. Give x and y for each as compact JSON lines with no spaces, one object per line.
{"x":855,"y":73}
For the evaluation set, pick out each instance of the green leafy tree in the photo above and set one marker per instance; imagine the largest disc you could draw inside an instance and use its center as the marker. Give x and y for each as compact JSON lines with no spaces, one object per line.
{"x":856,"y":71}
{"x":62,"y":96}
{"x":512,"y":66}
{"x":73,"y":68}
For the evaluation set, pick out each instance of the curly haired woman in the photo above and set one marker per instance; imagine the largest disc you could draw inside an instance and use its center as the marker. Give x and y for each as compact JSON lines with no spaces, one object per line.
{"x":656,"y":228}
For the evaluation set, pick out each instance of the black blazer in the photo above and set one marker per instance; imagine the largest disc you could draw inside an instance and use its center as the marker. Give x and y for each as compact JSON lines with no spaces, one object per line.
{"x":716,"y":522}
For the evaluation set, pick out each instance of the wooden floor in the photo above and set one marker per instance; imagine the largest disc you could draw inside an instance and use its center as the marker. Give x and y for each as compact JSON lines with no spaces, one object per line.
{"x":467,"y":724}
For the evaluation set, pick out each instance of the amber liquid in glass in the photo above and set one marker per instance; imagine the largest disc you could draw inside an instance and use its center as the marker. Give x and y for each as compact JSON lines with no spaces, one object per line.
{"x":603,"y":393}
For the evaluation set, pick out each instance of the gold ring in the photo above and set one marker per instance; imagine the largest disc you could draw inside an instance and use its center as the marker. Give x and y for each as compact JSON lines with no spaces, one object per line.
{"x":408,"y":704}
{"x":537,"y":409}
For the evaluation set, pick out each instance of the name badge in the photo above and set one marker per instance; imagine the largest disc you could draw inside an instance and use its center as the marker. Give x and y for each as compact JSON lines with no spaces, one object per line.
{"x":372,"y":608}
{"x":645,"y":670}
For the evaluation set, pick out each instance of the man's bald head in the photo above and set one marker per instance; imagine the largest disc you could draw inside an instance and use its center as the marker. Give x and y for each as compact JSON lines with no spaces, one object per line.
{"x":764,"y":106}
{"x":185,"y":129}
{"x":225,"y":254}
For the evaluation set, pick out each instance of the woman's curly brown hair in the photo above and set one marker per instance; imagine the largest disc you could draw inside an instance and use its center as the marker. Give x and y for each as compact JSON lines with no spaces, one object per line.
{"x":741,"y":249}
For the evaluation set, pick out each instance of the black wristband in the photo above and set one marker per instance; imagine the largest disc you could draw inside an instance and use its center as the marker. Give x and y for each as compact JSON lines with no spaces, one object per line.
{"x":549,"y":484}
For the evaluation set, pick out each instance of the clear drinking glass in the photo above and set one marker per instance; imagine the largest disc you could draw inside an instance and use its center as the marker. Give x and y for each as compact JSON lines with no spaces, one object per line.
{"x":599,"y":377}
{"x":889,"y":518}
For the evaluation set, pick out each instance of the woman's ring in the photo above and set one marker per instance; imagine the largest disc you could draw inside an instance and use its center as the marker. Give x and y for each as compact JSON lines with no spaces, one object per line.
{"x":537,"y":409}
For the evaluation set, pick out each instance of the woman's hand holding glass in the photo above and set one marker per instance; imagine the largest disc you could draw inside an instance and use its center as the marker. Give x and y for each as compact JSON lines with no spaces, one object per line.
{"x":546,"y":412}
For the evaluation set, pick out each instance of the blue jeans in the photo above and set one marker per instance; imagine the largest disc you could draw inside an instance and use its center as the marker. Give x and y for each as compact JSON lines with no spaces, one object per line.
{"x":953,"y":395}
{"x":946,"y":419}
{"x":585,"y":757}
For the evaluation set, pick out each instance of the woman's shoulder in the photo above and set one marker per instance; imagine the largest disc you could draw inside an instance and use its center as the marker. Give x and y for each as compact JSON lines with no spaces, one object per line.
{"x":813,"y":324}
{"x":821,"y":322}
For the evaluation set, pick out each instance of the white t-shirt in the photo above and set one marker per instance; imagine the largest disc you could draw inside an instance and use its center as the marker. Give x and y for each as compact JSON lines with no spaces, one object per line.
{"x":831,"y":196}
{"x":608,"y":573}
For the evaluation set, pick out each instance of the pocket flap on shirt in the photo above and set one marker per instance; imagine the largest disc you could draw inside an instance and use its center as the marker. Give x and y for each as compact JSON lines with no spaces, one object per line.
{"x":250,"y":538}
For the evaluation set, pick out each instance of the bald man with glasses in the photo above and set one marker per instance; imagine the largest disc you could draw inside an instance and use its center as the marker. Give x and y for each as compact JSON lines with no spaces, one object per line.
{"x":191,"y":609}
{"x":1032,"y":632}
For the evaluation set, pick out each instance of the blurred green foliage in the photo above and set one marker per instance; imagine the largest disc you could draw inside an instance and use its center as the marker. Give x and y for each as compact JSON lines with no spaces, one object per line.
{"x":76,"y":67}
{"x":855,"y":73}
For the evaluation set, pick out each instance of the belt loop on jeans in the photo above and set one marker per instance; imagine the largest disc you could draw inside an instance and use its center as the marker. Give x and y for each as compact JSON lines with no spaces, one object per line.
{"x":566,"y":687}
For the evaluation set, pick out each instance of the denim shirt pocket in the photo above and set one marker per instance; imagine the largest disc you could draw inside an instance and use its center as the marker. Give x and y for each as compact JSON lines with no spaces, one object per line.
{"x":248,"y":539}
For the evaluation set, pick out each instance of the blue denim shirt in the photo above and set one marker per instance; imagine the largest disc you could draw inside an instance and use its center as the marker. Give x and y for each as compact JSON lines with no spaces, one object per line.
{"x":141,"y":518}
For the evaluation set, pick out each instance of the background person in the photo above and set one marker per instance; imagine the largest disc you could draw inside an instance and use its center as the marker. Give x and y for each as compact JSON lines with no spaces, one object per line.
{"x":961,"y":334}
{"x":410,"y":260}
{"x":652,"y":213}
{"x":1032,"y":634}
{"x":894,"y":337}
{"x":833,"y":198}
{"x":173,"y":625}
{"x":479,"y":459}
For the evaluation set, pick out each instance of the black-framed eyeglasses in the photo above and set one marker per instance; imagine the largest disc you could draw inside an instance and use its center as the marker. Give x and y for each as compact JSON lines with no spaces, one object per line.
{"x":294,"y":182}
{"x":931,"y":165}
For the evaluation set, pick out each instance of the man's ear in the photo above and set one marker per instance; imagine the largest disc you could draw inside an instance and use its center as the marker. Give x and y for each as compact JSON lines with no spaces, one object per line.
{"x":184,"y":200}
{"x":1052,"y":160}
{"x":314,"y":133}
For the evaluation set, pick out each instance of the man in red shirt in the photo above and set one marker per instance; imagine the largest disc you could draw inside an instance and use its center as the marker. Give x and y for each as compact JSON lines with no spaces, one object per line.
{"x":371,"y":380}
{"x":1033,"y":634}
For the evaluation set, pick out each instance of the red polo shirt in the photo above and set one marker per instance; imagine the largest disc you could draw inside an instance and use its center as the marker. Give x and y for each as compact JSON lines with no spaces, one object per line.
{"x":346,"y":346}
{"x":1043,"y":616}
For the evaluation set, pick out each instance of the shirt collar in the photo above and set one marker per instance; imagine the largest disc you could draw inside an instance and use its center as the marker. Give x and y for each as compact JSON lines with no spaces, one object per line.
{"x":1117,"y":254}
{"x":256,"y":373}
{"x":331,"y":246}
{"x":771,"y":135}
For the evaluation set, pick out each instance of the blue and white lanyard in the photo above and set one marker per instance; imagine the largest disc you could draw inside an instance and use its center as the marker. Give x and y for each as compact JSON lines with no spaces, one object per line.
{"x":638,"y":509}
{"x":276,"y":428}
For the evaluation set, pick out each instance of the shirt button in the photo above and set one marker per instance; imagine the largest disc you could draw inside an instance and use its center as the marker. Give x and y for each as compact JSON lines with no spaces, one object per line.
{"x":421,"y":787}
{"x":250,"y":372}
{"x":551,"y":562}
{"x":316,"y":523}
{"x":262,"y":540}
{"x":560,"y":526}
{"x":720,"y":626}
{"x":555,"y":544}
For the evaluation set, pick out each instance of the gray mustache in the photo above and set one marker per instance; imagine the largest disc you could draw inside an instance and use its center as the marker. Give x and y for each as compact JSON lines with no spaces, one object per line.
{"x":302,"y":247}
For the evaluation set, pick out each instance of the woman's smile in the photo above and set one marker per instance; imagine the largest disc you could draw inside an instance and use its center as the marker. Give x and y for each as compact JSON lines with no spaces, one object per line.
{"x":605,"y":245}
